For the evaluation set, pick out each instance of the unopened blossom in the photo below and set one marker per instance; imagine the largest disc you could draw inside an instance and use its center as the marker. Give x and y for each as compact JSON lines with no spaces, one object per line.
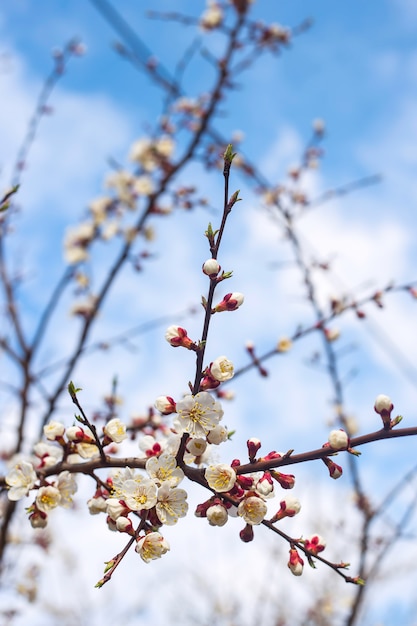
{"x":115,"y":430}
{"x":197,"y":446}
{"x":265,"y":485}
{"x":383,"y":404}
{"x":211,"y":268}
{"x":171,"y":504}
{"x":314,"y":544}
{"x":139,"y":496}
{"x":338,"y":439}
{"x":230,"y":302}
{"x":288,"y":507}
{"x":254,"y":446}
{"x":110,"y":229}
{"x":116,"y":508}
{"x":247,"y":534}
{"x":252,"y":509}
{"x":295,"y":562}
{"x":287,"y":481}
{"x":151,"y":546}
{"x":198,"y":414}
{"x":164,"y":469}
{"x":97,"y":505}
{"x":46,"y":454}
{"x":47,"y":498}
{"x":177,"y":336}
{"x":165,"y":405}
{"x":218,"y":435}
{"x":20,"y":480}
{"x":67,"y":486}
{"x":150,"y":446}
{"x":217,"y":515}
{"x":38,"y":519}
{"x":79,"y":433}
{"x":212,"y":16}
{"x":53,"y":430}
{"x":335,"y":471}
{"x":124,"y":525}
{"x":222,"y":369}
{"x":221,"y":477}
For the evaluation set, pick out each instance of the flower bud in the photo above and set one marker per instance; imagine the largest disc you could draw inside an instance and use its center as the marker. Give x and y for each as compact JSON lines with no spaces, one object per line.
{"x":165,"y":405}
{"x":177,"y":336}
{"x":230,"y":302}
{"x":287,"y":508}
{"x":383,"y":406}
{"x":338,"y":440}
{"x":295,"y":562}
{"x":287,"y":481}
{"x":254,"y":446}
{"x":247,"y":533}
{"x":335,"y":471}
{"x":211,"y":268}
{"x":265,"y":485}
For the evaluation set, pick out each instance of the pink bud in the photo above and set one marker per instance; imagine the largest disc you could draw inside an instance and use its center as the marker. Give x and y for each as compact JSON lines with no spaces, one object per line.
{"x":230,"y":302}
{"x":287,"y":481}
{"x":253,"y":447}
{"x":177,"y":336}
{"x":295,"y":562}
{"x":247,"y":534}
{"x":165,"y":405}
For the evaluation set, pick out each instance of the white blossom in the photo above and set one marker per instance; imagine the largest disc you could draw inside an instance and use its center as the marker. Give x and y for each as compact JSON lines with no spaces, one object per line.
{"x":20,"y":480}
{"x":198,"y":414}
{"x":164,"y":469}
{"x":221,"y":477}
{"x":171,"y":504}
{"x":222,"y":369}
{"x":252,"y":509}
{"x":47,"y":498}
{"x":151,"y":546}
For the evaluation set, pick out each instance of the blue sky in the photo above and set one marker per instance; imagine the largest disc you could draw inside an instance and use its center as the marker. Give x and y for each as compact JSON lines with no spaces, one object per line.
{"x":357,"y":69}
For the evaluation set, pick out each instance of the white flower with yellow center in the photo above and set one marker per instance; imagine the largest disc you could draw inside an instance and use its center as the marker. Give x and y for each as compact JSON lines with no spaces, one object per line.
{"x":47,"y":499}
{"x":171,"y":504}
{"x":20,"y":480}
{"x":221,"y":477}
{"x":222,"y":369}
{"x":120,"y":477}
{"x":152,"y":546}
{"x":115,"y":430}
{"x":252,"y":509}
{"x":198,"y":414}
{"x":67,"y":486}
{"x":164,"y":469}
{"x":139,"y":496}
